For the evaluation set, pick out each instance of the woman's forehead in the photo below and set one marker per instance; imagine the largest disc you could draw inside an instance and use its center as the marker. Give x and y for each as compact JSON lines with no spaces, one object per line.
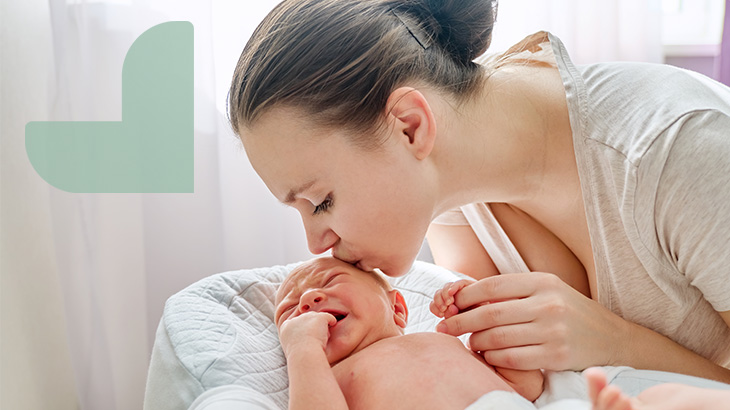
{"x":288,"y":121}
{"x":288,"y":158}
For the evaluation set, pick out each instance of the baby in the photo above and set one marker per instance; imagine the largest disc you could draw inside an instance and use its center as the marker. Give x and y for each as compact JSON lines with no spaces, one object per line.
{"x":341,"y":330}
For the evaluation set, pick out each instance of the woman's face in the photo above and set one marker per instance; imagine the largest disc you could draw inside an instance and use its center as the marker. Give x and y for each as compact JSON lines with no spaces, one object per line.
{"x":371,"y":207}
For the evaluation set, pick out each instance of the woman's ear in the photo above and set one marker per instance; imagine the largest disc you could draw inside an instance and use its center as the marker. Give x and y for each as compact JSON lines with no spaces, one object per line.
{"x":400,"y":310}
{"x":413,"y":120}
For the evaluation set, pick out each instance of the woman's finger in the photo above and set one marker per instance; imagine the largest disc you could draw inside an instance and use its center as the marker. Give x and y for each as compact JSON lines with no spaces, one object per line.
{"x":488,"y":316}
{"x":529,"y":357}
{"x":504,"y":287}
{"x":502,"y":337}
{"x":459,"y":285}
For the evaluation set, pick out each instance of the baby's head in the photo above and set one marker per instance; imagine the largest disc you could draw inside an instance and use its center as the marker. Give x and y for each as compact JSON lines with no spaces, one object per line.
{"x":367,"y":309}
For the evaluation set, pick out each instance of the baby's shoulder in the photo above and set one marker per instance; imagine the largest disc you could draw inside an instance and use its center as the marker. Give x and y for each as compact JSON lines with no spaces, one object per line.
{"x":430,"y":339}
{"x":416,"y":346}
{"x":405,"y":347}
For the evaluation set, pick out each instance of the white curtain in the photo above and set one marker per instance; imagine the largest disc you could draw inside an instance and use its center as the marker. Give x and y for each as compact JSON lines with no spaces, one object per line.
{"x":592,"y":30}
{"x":85,"y":276}
{"x":108,"y":262}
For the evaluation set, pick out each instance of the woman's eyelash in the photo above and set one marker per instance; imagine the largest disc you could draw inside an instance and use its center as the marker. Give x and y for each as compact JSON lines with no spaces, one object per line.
{"x":324,"y":206}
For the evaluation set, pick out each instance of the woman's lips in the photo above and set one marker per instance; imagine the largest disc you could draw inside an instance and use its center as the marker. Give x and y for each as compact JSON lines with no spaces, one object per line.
{"x":343,"y":256}
{"x":363,"y":267}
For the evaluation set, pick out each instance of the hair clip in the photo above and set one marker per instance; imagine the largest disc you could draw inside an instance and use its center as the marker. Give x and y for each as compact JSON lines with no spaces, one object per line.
{"x":416,"y":34}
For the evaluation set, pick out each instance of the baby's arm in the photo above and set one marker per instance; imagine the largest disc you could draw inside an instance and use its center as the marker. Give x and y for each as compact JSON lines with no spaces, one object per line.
{"x":312,"y":385}
{"x":528,"y":383}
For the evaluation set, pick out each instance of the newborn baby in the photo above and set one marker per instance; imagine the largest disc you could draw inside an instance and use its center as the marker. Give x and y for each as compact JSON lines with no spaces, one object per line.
{"x":341,"y":330}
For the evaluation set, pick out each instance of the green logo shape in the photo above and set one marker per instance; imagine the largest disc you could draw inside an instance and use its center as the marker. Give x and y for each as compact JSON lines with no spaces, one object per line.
{"x":151,"y":149}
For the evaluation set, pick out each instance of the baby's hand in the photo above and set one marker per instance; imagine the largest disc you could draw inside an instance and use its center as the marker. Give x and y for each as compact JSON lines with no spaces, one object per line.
{"x":309,"y":330}
{"x":443,"y":301}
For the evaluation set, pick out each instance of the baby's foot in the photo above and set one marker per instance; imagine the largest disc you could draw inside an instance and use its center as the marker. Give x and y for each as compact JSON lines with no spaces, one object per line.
{"x":668,"y":396}
{"x":603,"y":396}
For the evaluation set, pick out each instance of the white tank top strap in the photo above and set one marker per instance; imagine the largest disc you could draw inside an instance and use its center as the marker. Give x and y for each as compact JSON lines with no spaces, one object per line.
{"x":493,"y":238}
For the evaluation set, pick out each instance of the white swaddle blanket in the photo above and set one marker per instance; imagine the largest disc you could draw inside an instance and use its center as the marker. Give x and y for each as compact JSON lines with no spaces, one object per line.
{"x":217,"y":347}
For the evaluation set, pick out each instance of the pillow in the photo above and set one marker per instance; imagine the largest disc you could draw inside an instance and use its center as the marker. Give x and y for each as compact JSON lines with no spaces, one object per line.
{"x":220,"y":332}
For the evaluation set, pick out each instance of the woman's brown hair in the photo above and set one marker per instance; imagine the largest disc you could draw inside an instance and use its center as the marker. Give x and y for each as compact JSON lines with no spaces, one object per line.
{"x":339,"y":60}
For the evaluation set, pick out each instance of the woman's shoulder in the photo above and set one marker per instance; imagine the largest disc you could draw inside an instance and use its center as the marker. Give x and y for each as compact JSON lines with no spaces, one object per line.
{"x":627,"y":105}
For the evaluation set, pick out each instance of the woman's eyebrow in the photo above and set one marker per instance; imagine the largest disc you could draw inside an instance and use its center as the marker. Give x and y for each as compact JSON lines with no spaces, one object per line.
{"x":298,"y":190}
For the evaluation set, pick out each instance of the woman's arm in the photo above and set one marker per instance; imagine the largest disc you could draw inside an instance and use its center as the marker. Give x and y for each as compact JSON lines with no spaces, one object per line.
{"x":646,"y":349}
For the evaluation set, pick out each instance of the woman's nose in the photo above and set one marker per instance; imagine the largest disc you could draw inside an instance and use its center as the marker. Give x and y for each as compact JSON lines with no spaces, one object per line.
{"x":310,"y":299}
{"x":319,"y":238}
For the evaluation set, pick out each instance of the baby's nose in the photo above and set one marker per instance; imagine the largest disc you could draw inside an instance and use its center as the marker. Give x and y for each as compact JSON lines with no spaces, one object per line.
{"x":310,"y":300}
{"x":308,"y":306}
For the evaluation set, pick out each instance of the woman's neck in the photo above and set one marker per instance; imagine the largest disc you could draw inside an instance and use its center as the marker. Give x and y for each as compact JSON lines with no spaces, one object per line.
{"x":512,"y":143}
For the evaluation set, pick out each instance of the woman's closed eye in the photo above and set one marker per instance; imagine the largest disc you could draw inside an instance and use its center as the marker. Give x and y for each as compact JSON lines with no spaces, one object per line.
{"x":324,"y":205}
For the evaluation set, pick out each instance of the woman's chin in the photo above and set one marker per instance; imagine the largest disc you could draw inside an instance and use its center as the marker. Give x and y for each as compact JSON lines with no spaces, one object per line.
{"x":396,"y":270}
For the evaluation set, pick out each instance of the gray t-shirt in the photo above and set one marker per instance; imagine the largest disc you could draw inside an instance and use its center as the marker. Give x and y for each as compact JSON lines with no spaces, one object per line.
{"x":652,"y":144}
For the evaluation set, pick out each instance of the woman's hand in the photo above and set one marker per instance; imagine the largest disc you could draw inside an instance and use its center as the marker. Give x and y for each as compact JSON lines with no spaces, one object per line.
{"x":307,"y":331}
{"x":536,"y":321}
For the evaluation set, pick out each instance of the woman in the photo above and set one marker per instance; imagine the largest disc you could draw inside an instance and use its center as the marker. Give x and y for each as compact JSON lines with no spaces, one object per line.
{"x":609,"y":181}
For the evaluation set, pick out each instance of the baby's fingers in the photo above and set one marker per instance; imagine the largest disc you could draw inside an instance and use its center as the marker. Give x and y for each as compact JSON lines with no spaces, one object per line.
{"x":436,"y":308}
{"x":451,"y":310}
{"x":440,"y":302}
{"x":331,"y":319}
{"x":457,"y":286}
{"x":447,"y":293}
{"x":443,"y":300}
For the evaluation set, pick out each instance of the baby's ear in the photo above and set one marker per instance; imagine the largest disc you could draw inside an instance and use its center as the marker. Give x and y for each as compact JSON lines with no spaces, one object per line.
{"x":400,"y":310}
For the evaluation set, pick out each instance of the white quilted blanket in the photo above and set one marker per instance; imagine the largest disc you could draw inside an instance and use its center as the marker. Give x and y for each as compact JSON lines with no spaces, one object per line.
{"x":220,"y":332}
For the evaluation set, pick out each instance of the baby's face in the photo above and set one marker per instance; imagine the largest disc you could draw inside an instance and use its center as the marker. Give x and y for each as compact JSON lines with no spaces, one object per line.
{"x":364,"y":309}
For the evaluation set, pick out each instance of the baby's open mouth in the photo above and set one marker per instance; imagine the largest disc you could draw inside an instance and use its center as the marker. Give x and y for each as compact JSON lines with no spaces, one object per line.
{"x":338,"y":315}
